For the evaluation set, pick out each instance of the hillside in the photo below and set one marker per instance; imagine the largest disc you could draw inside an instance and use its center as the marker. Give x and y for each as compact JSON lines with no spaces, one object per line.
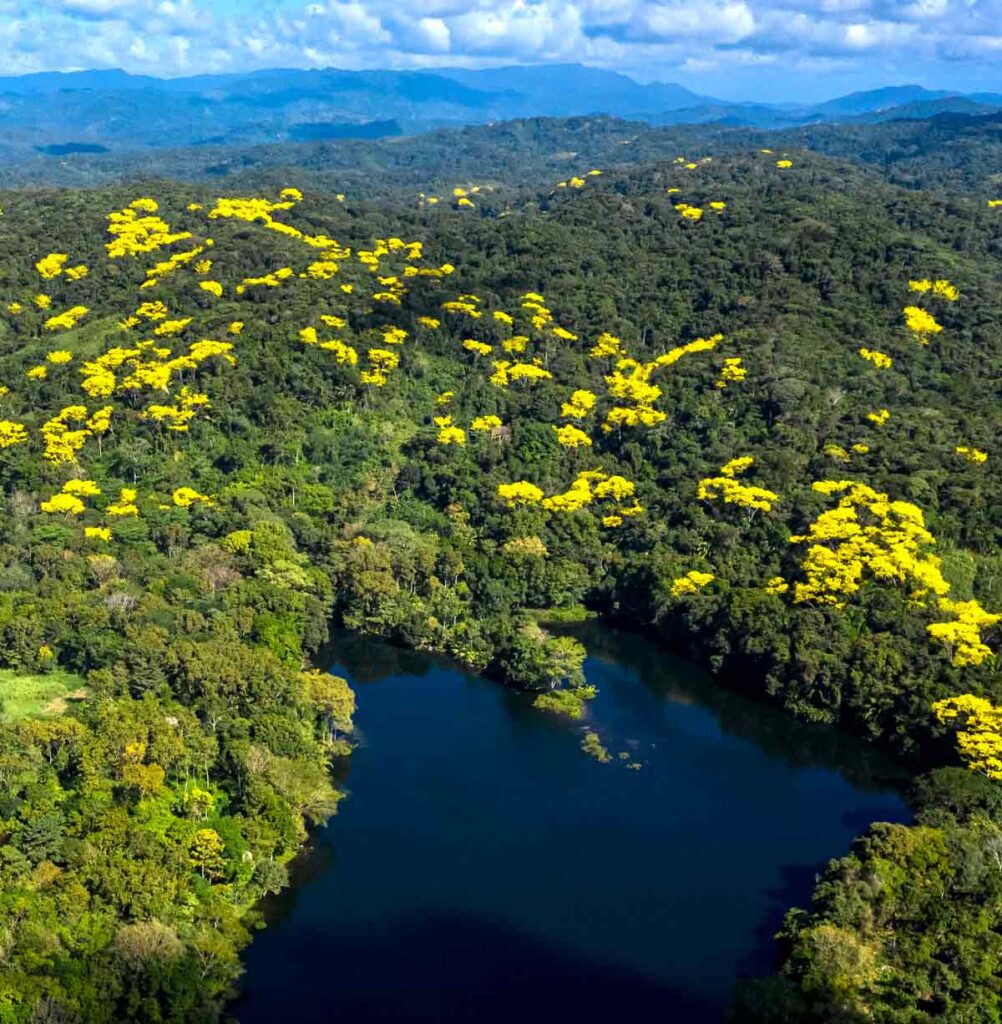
{"x":953,"y":153}
{"x":747,"y":404}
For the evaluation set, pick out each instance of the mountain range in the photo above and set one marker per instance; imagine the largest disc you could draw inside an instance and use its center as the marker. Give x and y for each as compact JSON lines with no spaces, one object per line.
{"x":57,"y":113}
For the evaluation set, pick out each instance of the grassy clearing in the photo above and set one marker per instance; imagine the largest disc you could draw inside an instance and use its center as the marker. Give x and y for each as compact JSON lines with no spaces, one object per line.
{"x":50,"y":694}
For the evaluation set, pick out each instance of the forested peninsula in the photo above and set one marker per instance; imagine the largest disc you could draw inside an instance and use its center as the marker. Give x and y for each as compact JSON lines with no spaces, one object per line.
{"x":744,"y":398}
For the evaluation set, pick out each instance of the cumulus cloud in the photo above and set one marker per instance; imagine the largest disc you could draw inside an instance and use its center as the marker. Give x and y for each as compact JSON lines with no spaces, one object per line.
{"x":692,"y":41}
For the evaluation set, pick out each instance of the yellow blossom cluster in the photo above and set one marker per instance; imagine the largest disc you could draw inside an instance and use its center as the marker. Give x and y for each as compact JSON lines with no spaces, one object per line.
{"x":381,"y":361}
{"x":632,"y":416}
{"x":171,"y":328}
{"x":879,"y":359}
{"x":593,"y":486}
{"x":272,"y":280}
{"x":448,"y":432}
{"x":132,"y":234}
{"x":51,"y":266}
{"x":731,"y":491}
{"x":64,"y":321}
{"x":185,"y":497}
{"x":520,"y":493}
{"x":689,"y":212}
{"x":737,"y":467}
{"x":941,"y":289}
{"x":392,"y":335}
{"x":921,"y":323}
{"x":690,"y":348}
{"x":691,"y":583}
{"x":570,"y":436}
{"x":607,"y":346}
{"x":840,"y":454}
{"x":506,"y":373}
{"x":630,"y":382}
{"x":61,"y":442}
{"x":343,"y":353}
{"x":144,"y":373}
{"x":866,"y":535}
{"x":971,"y":454}
{"x":732,"y":373}
{"x":979,"y":739}
{"x":156,"y":273}
{"x":153,"y":310}
{"x":258,"y":210}
{"x":69,"y":501}
{"x":963,"y":633}
{"x":126,"y":504}
{"x":579,"y":405}
{"x":466,"y":308}
{"x":533,"y":305}
{"x":12,"y":433}
{"x":177,"y":417}
{"x":372,"y":258}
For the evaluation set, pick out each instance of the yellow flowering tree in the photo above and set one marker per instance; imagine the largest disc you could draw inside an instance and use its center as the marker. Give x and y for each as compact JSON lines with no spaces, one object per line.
{"x":979,"y":731}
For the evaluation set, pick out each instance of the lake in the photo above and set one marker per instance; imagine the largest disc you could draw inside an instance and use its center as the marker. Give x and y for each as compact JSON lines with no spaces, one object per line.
{"x":484,"y":868}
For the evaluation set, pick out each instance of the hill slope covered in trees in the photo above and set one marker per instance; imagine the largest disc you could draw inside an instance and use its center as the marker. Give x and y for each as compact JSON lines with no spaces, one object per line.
{"x":953,"y":153}
{"x":746,"y":403}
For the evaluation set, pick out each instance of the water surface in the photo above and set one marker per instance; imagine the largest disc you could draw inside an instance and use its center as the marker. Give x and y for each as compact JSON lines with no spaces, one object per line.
{"x":484,"y":869}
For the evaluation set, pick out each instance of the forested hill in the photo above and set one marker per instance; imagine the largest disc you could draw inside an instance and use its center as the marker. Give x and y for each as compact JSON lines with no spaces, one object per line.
{"x":952,"y":153}
{"x":107,"y":110}
{"x":745,"y":400}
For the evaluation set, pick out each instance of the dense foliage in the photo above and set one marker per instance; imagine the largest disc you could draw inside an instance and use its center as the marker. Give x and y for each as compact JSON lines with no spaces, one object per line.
{"x":746,"y":403}
{"x":953,"y":153}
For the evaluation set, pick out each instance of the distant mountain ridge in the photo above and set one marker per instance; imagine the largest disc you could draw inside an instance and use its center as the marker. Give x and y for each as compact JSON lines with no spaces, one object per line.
{"x":64,"y":112}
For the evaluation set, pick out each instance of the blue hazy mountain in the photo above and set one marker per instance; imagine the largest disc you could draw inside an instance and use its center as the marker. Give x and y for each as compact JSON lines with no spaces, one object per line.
{"x":564,"y":90}
{"x":875,"y":100}
{"x":50,"y":111}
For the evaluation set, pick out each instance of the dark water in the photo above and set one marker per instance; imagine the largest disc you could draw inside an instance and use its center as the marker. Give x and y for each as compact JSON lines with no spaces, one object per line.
{"x":485,"y":869}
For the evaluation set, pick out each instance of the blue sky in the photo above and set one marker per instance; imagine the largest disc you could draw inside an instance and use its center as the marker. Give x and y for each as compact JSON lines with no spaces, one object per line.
{"x":736,"y":49}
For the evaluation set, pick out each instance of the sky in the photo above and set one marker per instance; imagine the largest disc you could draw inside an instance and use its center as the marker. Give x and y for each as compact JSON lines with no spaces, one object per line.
{"x":774,"y":50}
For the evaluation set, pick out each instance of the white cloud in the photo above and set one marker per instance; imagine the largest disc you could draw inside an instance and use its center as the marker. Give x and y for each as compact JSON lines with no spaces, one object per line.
{"x":703,"y":19}
{"x":696,"y":41}
{"x":871,"y":34}
{"x":96,"y":8}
